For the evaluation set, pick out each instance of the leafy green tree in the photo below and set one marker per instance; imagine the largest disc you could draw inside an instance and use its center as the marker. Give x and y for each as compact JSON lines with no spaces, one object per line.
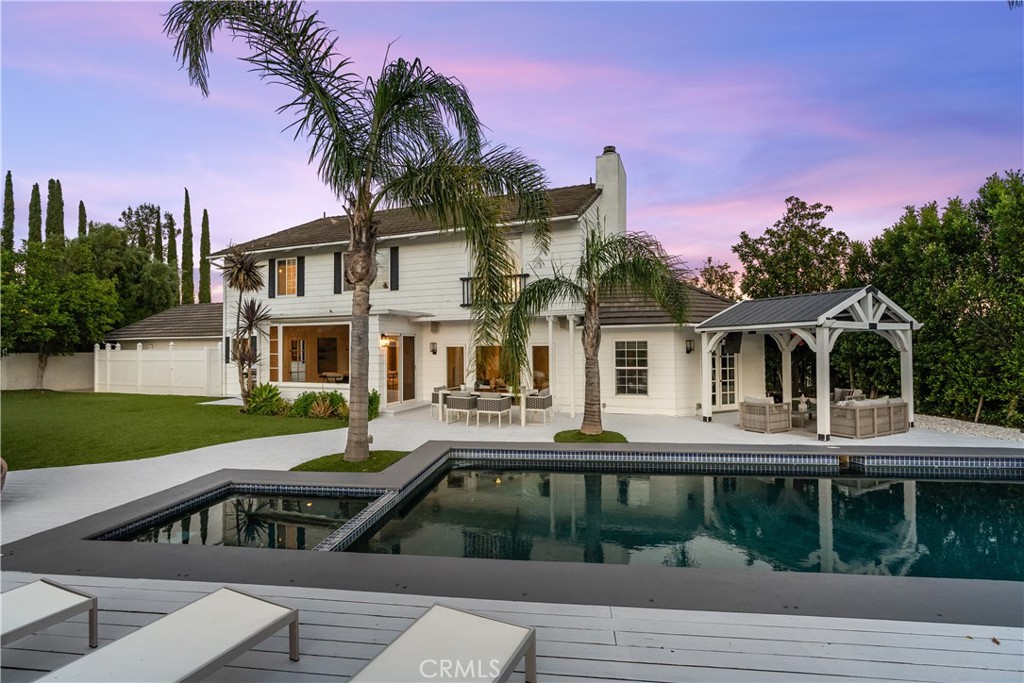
{"x":204,"y":260}
{"x":55,"y":214}
{"x":187,"y":283}
{"x":53,"y":306}
{"x":35,"y":216}
{"x":619,"y":262}
{"x":409,"y":137}
{"x":158,"y":238}
{"x":141,"y":224}
{"x":717,"y":278}
{"x":798,"y":255}
{"x":7,"y":236}
{"x":144,"y":286}
{"x":82,"y":221}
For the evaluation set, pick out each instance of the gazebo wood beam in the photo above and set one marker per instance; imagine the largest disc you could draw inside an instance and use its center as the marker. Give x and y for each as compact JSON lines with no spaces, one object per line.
{"x":866,"y":327}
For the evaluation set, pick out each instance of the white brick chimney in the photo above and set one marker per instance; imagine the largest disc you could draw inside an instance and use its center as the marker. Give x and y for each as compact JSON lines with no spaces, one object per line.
{"x":611,"y":180}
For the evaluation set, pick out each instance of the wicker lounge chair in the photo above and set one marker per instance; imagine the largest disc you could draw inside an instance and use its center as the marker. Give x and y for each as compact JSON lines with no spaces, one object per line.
{"x":493,"y":404}
{"x":869,"y":417}
{"x":542,"y":402}
{"x":435,"y":400}
{"x":764,"y":415}
{"x":459,"y":403}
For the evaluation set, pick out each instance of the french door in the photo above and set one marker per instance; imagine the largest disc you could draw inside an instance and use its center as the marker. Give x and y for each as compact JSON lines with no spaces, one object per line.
{"x":723,"y":381}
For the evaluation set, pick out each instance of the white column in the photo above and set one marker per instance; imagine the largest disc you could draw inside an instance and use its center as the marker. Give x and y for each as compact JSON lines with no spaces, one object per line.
{"x":907,"y":376}
{"x":108,"y":366}
{"x":787,"y":368}
{"x":138,"y":368}
{"x":170,"y":368}
{"x":825,"y":540}
{"x":222,"y":365}
{"x":572,"y":366}
{"x":95,"y":368}
{"x":822,"y":388}
{"x":705,"y":377}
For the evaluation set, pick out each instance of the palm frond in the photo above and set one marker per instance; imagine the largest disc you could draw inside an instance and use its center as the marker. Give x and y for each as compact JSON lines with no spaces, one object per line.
{"x":242,"y":270}
{"x":536,"y":297}
{"x":253,"y":315}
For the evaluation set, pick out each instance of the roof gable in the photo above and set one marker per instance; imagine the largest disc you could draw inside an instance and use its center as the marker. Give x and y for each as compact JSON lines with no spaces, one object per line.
{"x":637,"y":309}
{"x":564,"y":201}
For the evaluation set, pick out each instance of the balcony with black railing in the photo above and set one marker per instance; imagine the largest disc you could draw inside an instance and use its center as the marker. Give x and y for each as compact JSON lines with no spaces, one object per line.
{"x":518,"y":282}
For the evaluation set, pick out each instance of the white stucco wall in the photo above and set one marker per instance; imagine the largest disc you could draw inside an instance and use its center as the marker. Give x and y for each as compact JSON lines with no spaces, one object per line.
{"x":63,"y":373}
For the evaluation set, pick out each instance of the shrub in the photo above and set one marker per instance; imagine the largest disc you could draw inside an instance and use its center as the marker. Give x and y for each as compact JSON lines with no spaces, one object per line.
{"x":319,"y":404}
{"x":265,"y":399}
{"x":373,"y":411}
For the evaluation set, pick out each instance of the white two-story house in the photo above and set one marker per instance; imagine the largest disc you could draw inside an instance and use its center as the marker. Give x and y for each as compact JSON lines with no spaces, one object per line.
{"x":420,"y":314}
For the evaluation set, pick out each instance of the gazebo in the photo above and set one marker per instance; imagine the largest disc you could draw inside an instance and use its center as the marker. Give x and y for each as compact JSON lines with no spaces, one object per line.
{"x":817,"y":320}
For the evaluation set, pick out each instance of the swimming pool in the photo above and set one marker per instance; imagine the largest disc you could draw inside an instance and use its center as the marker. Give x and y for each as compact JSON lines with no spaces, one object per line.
{"x":855,"y":525}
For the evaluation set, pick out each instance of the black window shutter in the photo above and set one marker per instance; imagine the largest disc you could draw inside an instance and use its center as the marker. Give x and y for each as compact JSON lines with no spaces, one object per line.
{"x":337,"y":272}
{"x":271,"y":276}
{"x":252,"y":342}
{"x":227,"y":350}
{"x":394,"y":268}
{"x":300,"y":286}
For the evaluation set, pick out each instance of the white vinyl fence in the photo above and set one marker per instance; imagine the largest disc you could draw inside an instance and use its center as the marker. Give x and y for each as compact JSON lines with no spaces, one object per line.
{"x":185,"y":372}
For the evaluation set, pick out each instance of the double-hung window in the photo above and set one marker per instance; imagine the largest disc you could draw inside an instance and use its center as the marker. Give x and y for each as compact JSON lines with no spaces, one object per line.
{"x":384,"y":277}
{"x":631,"y":367}
{"x":287,"y":277}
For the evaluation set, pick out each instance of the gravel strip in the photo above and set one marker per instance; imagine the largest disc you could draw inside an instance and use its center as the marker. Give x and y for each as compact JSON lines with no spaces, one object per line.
{"x":950,"y":426}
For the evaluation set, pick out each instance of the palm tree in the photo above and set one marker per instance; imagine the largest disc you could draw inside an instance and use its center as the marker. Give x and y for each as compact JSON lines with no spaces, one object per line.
{"x":410,"y":137}
{"x":631,"y":262}
{"x":243,"y":272}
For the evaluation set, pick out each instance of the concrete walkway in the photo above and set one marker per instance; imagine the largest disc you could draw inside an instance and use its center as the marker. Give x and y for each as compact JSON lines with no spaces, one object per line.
{"x":37,"y":500}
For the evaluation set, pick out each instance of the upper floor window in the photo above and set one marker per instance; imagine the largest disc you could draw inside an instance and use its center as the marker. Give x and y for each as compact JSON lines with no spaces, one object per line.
{"x":287,"y":277}
{"x":631,"y":367}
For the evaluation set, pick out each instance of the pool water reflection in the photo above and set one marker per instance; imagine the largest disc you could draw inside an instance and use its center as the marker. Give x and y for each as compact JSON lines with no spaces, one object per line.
{"x":850,"y":526}
{"x":255,"y":521}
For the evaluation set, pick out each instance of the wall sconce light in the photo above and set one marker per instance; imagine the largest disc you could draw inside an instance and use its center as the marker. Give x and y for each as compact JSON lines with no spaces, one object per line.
{"x":383,"y":341}
{"x":689,"y":346}
{"x":433,"y":348}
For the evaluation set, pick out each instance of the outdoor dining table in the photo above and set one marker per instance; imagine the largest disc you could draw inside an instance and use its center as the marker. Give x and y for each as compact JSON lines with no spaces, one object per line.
{"x":443,"y":393}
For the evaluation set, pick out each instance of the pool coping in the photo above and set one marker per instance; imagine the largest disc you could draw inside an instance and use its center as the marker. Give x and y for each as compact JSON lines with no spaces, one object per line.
{"x":67,"y":550}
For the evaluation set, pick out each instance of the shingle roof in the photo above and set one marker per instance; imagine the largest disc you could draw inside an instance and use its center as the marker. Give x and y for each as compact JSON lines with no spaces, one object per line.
{"x":564,"y":201}
{"x":625,"y":309}
{"x":780,"y":310}
{"x":180,"y":322}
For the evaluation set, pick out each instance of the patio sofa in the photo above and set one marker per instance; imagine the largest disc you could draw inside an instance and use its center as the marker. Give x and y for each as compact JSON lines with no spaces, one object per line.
{"x":764,"y":415}
{"x":860,"y":419}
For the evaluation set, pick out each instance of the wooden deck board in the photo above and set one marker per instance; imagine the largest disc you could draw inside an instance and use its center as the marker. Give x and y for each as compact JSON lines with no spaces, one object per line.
{"x":341,"y":630}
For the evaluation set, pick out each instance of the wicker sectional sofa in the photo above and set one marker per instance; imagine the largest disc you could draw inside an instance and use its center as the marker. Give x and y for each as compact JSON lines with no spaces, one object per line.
{"x":870,"y":417}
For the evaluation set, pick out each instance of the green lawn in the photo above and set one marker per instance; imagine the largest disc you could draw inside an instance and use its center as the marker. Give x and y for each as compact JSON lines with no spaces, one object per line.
{"x":54,"y":429}
{"x":378,"y":460}
{"x":576,"y":436}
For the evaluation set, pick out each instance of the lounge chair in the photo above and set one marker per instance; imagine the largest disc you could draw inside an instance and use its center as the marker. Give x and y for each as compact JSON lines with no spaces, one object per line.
{"x":189,"y":644}
{"x":493,"y":404}
{"x":460,"y":402}
{"x":466,"y":646}
{"x":542,"y":402}
{"x":764,"y":415}
{"x":30,"y":608}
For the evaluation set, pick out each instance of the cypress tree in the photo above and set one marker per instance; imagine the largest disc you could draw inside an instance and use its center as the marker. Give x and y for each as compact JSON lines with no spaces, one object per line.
{"x":204,"y":261}
{"x":172,"y":253}
{"x":54,"y":214}
{"x":35,"y":216}
{"x":158,"y":239}
{"x":187,"y":285}
{"x":7,"y":236}
{"x":82,"y":223}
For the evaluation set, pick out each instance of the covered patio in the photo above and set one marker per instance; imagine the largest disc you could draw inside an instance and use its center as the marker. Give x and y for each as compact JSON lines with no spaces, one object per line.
{"x":817,"y":320}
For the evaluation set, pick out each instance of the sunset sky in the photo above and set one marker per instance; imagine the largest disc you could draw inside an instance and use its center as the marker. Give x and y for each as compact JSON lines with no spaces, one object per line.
{"x":719,"y":110}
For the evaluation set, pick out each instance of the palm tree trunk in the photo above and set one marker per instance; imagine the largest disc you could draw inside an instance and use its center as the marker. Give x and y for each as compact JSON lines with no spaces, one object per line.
{"x":358,"y":446}
{"x":592,"y":371}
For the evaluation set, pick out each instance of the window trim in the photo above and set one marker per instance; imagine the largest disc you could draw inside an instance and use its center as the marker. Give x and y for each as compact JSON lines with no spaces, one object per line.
{"x":632,"y":367}
{"x":384,"y":282}
{"x":282,"y":282}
